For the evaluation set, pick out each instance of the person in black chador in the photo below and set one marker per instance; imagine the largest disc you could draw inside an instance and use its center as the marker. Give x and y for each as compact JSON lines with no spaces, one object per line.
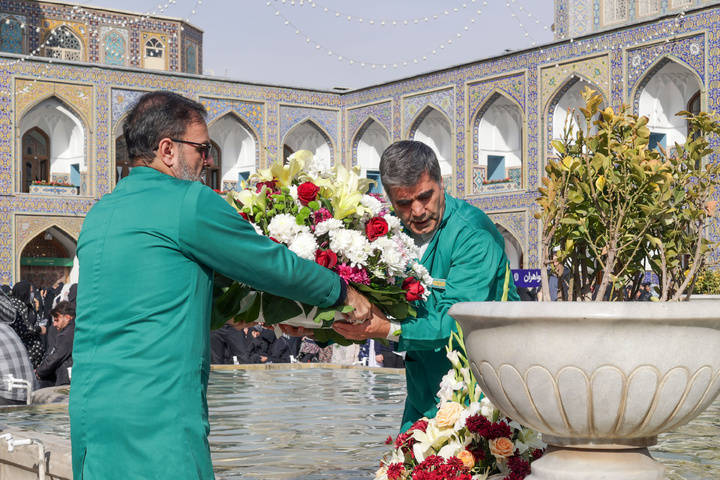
{"x":25,"y":324}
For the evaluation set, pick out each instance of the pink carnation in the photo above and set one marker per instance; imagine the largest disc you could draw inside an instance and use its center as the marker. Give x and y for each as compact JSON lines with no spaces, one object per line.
{"x":322,"y":215}
{"x":352,"y":274}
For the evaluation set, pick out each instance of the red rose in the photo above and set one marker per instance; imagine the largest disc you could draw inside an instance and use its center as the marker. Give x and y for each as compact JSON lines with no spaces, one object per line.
{"x":245,"y":216}
{"x":326,"y":258}
{"x":413,"y":289}
{"x":307,"y":192}
{"x":377,"y":227}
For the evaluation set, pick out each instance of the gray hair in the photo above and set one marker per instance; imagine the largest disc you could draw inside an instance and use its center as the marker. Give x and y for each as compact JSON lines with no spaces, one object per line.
{"x":403,"y":164}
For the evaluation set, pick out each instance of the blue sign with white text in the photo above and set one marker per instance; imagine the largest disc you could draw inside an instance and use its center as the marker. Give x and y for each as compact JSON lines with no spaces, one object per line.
{"x":526,"y":278}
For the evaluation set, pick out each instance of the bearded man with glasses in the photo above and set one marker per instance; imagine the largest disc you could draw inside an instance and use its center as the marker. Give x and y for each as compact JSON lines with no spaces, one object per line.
{"x":148,"y":251}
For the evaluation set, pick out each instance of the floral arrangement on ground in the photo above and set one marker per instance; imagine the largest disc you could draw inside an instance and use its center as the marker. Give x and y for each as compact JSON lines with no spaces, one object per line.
{"x":325,"y":215}
{"x":45,"y":183}
{"x":468,"y":439}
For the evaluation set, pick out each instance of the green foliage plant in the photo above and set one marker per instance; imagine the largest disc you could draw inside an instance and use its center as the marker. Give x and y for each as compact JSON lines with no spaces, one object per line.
{"x":611,"y":207}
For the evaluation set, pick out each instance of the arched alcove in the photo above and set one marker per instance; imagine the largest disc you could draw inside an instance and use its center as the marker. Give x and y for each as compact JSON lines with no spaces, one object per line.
{"x":433,"y":129}
{"x":499,"y":140}
{"x":66,"y":136}
{"x":513,"y":249}
{"x":666,"y":90}
{"x":564,"y":109}
{"x":48,"y":257}
{"x":237,"y":147}
{"x":370,"y":142}
{"x":308,"y":136}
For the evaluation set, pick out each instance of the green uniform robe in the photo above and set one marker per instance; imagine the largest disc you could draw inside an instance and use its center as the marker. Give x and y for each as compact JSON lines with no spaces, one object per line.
{"x":467,"y":252}
{"x":147,"y":253}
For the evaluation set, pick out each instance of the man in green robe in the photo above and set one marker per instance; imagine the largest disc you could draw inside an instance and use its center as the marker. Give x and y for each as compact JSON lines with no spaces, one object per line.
{"x":464,"y":253}
{"x":148,"y":251}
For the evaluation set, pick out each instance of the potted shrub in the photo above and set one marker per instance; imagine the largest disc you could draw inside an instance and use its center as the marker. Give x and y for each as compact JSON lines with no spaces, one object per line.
{"x":601,"y":382}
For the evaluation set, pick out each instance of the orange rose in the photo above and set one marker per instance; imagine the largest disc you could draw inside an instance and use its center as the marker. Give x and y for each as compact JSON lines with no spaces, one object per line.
{"x":501,"y":447}
{"x":467,"y":458}
{"x":449,"y":414}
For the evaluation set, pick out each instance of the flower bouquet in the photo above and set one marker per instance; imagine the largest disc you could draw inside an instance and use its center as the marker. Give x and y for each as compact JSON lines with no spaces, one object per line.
{"x":324,"y":215}
{"x":467,"y":439}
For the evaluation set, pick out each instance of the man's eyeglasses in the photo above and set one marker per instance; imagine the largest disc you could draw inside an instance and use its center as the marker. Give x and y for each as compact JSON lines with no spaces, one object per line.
{"x":203,"y":148}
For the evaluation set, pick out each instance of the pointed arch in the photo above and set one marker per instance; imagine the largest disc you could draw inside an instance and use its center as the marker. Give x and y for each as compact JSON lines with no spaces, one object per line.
{"x":308,"y":135}
{"x":114,"y":48}
{"x":433,"y":127}
{"x":664,"y":90}
{"x":238,"y":145}
{"x":555,"y":119}
{"x":67,"y":134}
{"x":55,"y":246}
{"x":513,"y":247}
{"x":370,"y":141}
{"x":498,"y":144}
{"x":63,"y":43}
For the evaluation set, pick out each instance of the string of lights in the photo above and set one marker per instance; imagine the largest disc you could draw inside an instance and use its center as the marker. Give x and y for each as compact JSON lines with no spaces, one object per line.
{"x":520,"y":22}
{"x":381,"y":22}
{"x":363,"y":63}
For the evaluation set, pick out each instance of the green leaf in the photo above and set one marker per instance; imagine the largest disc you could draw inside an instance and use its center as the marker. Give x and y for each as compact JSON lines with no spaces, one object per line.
{"x":278,"y":309}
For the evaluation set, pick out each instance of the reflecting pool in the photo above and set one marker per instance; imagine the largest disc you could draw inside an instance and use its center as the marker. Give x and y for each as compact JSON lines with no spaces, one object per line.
{"x":329,"y":423}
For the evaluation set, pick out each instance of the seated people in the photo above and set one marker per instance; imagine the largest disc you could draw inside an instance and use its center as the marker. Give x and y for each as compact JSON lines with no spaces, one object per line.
{"x":263,"y":338}
{"x":54,"y":368}
{"x":227,"y":342}
{"x":280,"y":350}
{"x":14,"y":360}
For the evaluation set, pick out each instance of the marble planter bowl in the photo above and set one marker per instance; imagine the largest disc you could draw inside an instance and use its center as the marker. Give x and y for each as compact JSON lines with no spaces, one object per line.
{"x":589,"y":376}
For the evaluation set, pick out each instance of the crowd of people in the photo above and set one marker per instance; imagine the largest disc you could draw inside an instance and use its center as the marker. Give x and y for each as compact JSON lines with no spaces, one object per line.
{"x":240,"y":345}
{"x":37,"y":345}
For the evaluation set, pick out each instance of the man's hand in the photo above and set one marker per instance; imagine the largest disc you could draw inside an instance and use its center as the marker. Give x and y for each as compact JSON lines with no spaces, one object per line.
{"x":377,"y":327}
{"x":363,"y":307}
{"x":296,"y":331}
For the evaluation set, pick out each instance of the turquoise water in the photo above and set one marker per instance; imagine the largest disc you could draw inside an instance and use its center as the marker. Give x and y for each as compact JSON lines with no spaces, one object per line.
{"x":322,"y":424}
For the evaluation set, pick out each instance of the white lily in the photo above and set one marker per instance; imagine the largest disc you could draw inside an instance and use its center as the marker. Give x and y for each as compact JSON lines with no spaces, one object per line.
{"x":429,"y":441}
{"x":527,"y":438}
{"x":248,"y":198}
{"x":453,"y":447}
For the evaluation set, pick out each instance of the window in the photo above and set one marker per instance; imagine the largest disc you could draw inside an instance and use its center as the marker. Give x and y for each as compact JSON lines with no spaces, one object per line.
{"x":11,"y":35}
{"x":648,"y":7}
{"x":495,"y":168}
{"x":64,"y":44}
{"x":154,"y":54}
{"x":122,"y":159}
{"x":656,"y":140}
{"x":614,"y":11}
{"x":114,"y":49}
{"x":213,"y":177}
{"x":375,"y":175}
{"x":35,"y":158}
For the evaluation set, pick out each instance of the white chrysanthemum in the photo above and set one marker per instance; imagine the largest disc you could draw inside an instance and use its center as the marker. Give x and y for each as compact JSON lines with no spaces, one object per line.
{"x":318,"y":168}
{"x":394,"y":223}
{"x":407,"y":246}
{"x":422,"y":273}
{"x":372,"y":204}
{"x":284,"y":228}
{"x":304,"y":245}
{"x":328,"y":225}
{"x":391,"y":256}
{"x":352,"y":245}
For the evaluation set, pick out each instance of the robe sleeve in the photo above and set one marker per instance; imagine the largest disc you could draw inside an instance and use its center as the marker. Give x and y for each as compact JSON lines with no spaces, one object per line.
{"x":214,"y":234}
{"x":476,"y":274}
